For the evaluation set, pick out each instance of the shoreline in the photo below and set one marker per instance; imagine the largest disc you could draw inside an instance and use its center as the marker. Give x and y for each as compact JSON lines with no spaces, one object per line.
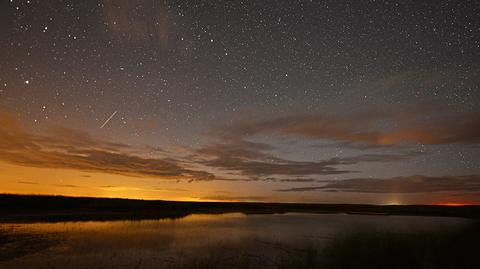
{"x":43,"y":208}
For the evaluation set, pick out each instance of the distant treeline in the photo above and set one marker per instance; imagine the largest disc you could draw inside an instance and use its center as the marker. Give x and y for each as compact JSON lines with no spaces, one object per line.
{"x":59,"y":208}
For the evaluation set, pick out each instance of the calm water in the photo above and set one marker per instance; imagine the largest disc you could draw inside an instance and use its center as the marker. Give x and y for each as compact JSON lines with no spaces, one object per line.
{"x":165,"y":243}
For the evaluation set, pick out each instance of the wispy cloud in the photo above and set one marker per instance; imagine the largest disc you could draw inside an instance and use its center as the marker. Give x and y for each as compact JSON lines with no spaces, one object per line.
{"x":27,"y":182}
{"x":254,"y":161}
{"x":169,"y":189}
{"x":234,"y":155}
{"x":66,"y":185}
{"x":237,"y":154}
{"x":71,"y":149}
{"x":411,"y":184}
{"x":387,"y":127}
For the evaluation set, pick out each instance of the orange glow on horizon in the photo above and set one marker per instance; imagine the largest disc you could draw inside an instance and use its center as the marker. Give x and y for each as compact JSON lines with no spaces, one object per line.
{"x":454,"y":204}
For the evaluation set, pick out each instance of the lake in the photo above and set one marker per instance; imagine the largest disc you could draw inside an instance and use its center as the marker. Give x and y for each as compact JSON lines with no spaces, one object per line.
{"x":257,"y":240}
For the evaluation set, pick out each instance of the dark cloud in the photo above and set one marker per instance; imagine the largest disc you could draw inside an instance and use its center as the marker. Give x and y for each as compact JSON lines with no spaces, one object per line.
{"x":71,"y":149}
{"x":411,"y":184}
{"x":253,"y":161}
{"x":233,"y":154}
{"x":27,"y":182}
{"x":387,"y":127}
{"x":256,"y":168}
{"x":298,"y":180}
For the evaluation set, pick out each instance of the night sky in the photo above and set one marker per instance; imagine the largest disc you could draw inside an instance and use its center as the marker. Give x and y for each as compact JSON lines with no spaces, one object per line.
{"x":276,"y":101}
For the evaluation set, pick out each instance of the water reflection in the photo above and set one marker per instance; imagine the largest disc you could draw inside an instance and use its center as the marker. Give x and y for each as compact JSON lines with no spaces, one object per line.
{"x":163,"y":243}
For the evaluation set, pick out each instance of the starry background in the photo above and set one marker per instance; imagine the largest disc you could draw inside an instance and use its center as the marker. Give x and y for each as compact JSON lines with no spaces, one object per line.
{"x":242,"y":100}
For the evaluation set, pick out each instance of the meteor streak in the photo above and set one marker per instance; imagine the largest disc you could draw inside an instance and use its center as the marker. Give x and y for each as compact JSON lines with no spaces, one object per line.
{"x":109,"y":118}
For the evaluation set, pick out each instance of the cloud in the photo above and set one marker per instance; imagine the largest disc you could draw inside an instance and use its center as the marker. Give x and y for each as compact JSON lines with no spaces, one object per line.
{"x":27,"y":182}
{"x":66,"y":185}
{"x":234,"y":198}
{"x":298,"y":180}
{"x":378,"y":128}
{"x":249,"y":160}
{"x":411,"y":184}
{"x":70,"y":149}
{"x":237,"y":154}
{"x":169,"y":189}
{"x":232,"y":154}
{"x":253,"y":161}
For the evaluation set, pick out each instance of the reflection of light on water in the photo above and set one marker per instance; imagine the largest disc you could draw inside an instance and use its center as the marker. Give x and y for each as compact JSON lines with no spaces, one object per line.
{"x":197,"y":217}
{"x":115,"y":225}
{"x":117,"y":244}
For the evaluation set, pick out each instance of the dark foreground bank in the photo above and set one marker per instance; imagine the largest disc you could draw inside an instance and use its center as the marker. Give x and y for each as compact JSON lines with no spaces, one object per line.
{"x":61,"y":208}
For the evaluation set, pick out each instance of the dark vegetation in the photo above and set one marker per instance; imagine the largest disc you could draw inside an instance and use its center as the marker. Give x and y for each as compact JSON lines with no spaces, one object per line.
{"x":27,"y":208}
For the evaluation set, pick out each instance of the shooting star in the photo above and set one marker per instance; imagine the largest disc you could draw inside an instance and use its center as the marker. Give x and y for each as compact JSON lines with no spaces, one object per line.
{"x":109,"y":118}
